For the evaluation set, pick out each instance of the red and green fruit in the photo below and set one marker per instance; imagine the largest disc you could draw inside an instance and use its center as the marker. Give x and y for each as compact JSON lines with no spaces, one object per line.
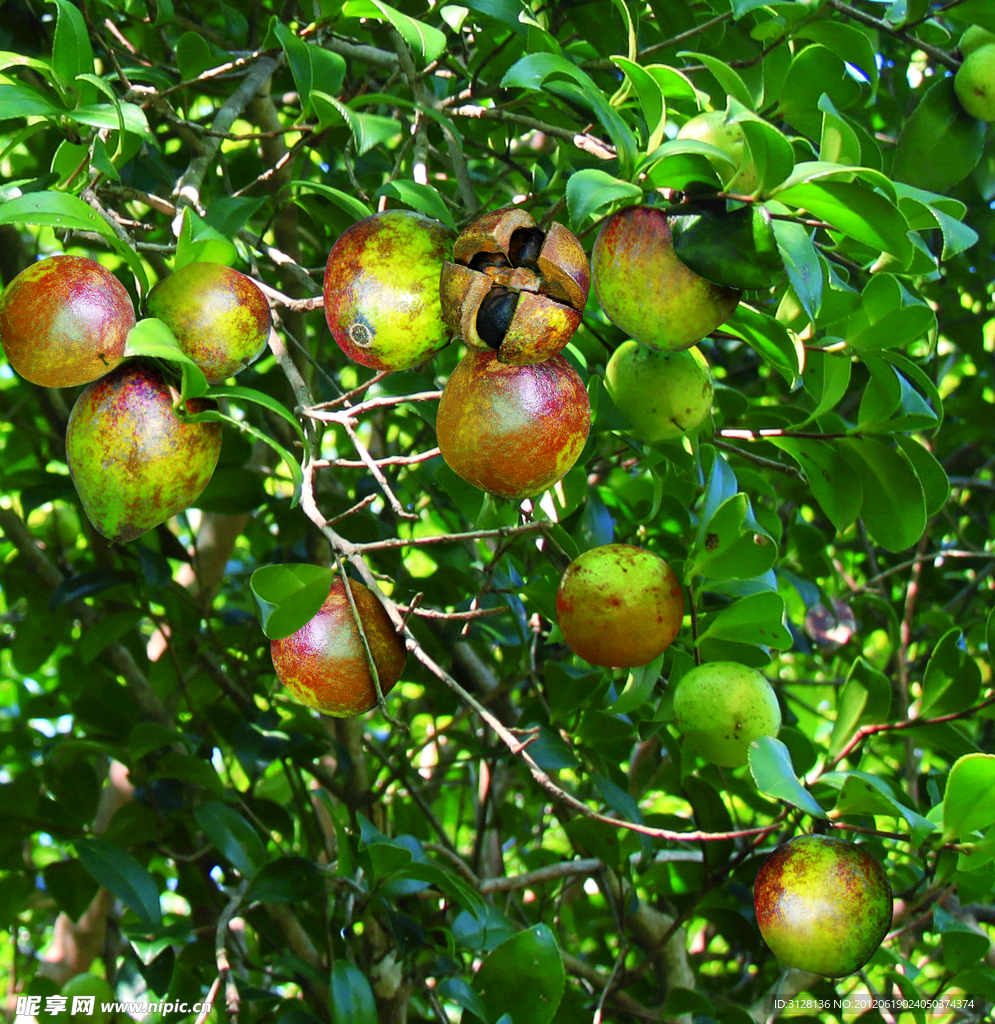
{"x":664,"y":395}
{"x":64,"y":321}
{"x":515,"y":288}
{"x":219,"y":316}
{"x":823,"y":905}
{"x":619,"y":605}
{"x":325,"y":665}
{"x":381,"y":291}
{"x":512,"y":430}
{"x":721,"y":707}
{"x":711,"y":126}
{"x":974,"y":83}
{"x":134,"y":462}
{"x":644,"y":288}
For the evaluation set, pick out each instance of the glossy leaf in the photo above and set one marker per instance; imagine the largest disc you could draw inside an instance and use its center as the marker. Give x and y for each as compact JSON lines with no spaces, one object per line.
{"x":117,"y":870}
{"x":952,"y":678}
{"x":350,"y":997}
{"x":526,"y":972}
{"x":234,"y":837}
{"x":756,"y":619}
{"x":289,"y":596}
{"x":773,"y":773}
{"x":969,"y":796}
{"x":285,"y":880}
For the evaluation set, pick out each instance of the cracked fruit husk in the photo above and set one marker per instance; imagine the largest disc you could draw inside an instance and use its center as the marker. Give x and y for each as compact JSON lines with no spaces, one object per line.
{"x":324,"y":664}
{"x":514,"y":288}
{"x":512,"y":430}
{"x":219,"y":316}
{"x":381,"y":290}
{"x":134,"y":462}
{"x":664,"y":395}
{"x":64,"y":321}
{"x":721,"y":707}
{"x":646,"y":290}
{"x":823,"y":905}
{"x":619,"y":605}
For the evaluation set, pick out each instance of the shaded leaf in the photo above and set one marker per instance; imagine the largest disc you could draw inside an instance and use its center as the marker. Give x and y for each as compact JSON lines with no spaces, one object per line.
{"x":117,"y":870}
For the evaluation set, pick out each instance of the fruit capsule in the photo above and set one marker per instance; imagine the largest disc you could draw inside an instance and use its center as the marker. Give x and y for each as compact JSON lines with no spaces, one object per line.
{"x":515,"y":288}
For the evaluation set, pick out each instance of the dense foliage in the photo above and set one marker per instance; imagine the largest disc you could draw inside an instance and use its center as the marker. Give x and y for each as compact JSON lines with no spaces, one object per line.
{"x":516,"y":835}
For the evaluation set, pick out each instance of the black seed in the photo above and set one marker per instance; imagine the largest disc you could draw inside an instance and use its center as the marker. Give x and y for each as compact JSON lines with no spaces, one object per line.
{"x":483,"y":260}
{"x":524,"y":247}
{"x":494,"y":315}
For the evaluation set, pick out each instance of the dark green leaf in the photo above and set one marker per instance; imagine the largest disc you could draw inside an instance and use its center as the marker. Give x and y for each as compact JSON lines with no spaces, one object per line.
{"x":757,"y":619}
{"x":830,"y":476}
{"x":86,"y":584}
{"x":234,"y":837}
{"x":952,"y":679}
{"x":72,"y":53}
{"x":526,"y":972}
{"x":285,"y":880}
{"x":117,"y":870}
{"x":350,"y":997}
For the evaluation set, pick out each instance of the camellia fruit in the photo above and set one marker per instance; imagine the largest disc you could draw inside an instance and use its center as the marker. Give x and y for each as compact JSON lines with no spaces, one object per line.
{"x":619,"y":605}
{"x":64,"y":321}
{"x":512,"y":430}
{"x":219,"y":316}
{"x":721,"y":707}
{"x":646,"y":290}
{"x":712,"y":127}
{"x":664,"y":395}
{"x":134,"y":462}
{"x":515,"y":288}
{"x":381,"y":291}
{"x":324,"y":664}
{"x":974,"y":83}
{"x":823,"y":905}
{"x":974,"y":38}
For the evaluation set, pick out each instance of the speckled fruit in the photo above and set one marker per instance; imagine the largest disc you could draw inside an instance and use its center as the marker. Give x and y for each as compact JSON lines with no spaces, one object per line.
{"x":619,"y":605}
{"x":512,"y":430}
{"x":721,"y":707}
{"x":324,"y":664}
{"x":646,"y":290}
{"x":134,"y":462}
{"x":64,"y":321}
{"x":823,"y":905}
{"x":219,"y":316}
{"x":382,"y":289}
{"x":664,"y":395}
{"x":710,"y":126}
{"x":515,"y":288}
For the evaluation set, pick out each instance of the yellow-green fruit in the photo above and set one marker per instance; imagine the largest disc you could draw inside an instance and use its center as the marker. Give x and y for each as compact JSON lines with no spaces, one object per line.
{"x":664,"y":395}
{"x":78,"y":991}
{"x":710,"y":126}
{"x":974,"y":38}
{"x":823,"y":905}
{"x":721,"y":707}
{"x":974,"y":83}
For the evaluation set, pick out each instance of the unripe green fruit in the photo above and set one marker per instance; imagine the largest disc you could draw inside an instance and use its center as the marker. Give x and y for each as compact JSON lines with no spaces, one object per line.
{"x":220,"y":317}
{"x":710,"y":126}
{"x":619,"y":605}
{"x":77,"y":992}
{"x":134,"y":462}
{"x":974,"y":83}
{"x":664,"y":395}
{"x":646,"y":290}
{"x":974,"y":38}
{"x":823,"y":905}
{"x":64,"y":321}
{"x":721,"y":707}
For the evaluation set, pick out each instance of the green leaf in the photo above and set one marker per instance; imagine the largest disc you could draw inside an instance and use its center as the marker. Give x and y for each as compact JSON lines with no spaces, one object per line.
{"x":638,"y":689}
{"x":151,"y":338}
{"x":773,"y":773}
{"x":728,"y":77}
{"x":592,"y":189}
{"x":425,"y":40}
{"x":199,"y":241}
{"x":652,"y":101}
{"x":25,"y":101}
{"x":833,"y":484}
{"x":800,"y":257}
{"x":117,"y":870}
{"x":72,"y":53}
{"x":268,"y":402}
{"x":285,"y":880}
{"x":233,"y":836}
{"x":289,"y":596}
{"x":848,"y":42}
{"x":969,"y":796}
{"x":353,"y":207}
{"x":86,"y":584}
{"x":735,"y":248}
{"x":962,"y":945}
{"x":952,"y":679}
{"x":894,"y":505}
{"x":350,"y":997}
{"x":756,"y":619}
{"x":534,"y":70}
{"x":885,"y":319}
{"x":526,"y":972}
{"x":827,"y":379}
{"x":770,"y":339}
{"x":865,"y":794}
{"x":368,"y":130}
{"x":730,"y":544}
{"x":865,"y":697}
{"x":770,"y":151}
{"x":940,"y":143}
